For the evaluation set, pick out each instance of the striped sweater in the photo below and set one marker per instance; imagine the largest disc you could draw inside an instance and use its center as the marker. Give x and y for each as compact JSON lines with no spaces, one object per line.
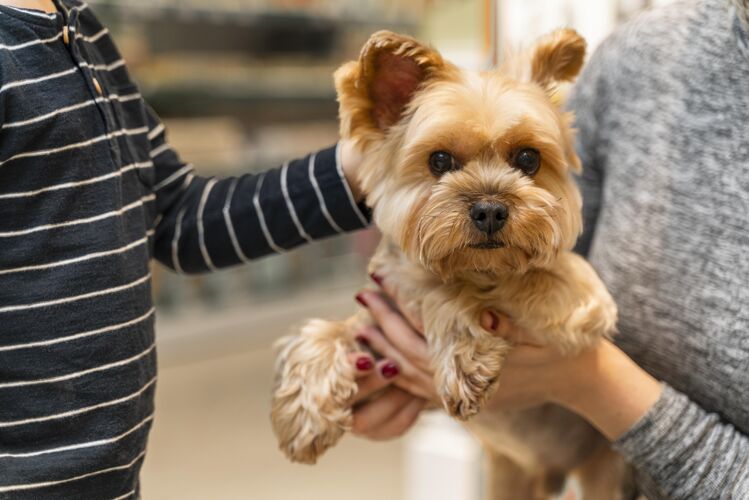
{"x":90,"y":191}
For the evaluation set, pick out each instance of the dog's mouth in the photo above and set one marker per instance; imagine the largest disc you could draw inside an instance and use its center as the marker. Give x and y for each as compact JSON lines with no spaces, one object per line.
{"x":488,"y":245}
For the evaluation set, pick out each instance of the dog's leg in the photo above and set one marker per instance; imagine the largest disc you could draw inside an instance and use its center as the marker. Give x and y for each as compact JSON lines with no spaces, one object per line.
{"x":314,"y":386}
{"x":573,"y":312}
{"x":506,"y":480}
{"x":605,"y":476}
{"x":467,"y":359}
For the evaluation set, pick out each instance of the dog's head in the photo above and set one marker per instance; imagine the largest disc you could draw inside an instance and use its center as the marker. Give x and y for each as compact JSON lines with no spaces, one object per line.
{"x":466,"y":171}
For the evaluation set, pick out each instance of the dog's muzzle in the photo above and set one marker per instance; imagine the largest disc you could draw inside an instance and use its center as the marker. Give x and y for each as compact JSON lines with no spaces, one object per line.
{"x":489,"y":217}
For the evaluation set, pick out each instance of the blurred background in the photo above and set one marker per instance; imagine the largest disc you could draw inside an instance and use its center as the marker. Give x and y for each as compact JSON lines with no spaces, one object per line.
{"x":244,"y":85}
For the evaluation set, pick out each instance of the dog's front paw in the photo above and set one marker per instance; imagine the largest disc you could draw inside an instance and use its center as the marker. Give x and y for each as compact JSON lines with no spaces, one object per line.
{"x":305,"y":434}
{"x":470,"y":377}
{"x":314,"y":386}
{"x":469,"y":394}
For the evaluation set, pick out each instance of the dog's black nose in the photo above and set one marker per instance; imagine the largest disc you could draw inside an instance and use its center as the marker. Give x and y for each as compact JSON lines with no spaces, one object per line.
{"x":489,"y":217}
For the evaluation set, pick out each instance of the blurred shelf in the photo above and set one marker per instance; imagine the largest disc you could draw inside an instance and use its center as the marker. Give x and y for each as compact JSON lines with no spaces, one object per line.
{"x":248,"y":104}
{"x":308,"y":34}
{"x":282,"y":90}
{"x":273,"y":92}
{"x":261,"y":13}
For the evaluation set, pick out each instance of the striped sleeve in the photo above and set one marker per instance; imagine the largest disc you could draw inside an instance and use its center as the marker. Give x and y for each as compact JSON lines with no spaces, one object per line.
{"x":206,"y":224}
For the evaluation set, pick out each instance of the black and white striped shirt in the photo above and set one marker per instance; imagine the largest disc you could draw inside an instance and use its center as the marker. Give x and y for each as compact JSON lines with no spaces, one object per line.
{"x":90,"y":191}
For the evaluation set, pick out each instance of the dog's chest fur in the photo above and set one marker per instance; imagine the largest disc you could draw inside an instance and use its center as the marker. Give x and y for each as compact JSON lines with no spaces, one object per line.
{"x":541,"y":301}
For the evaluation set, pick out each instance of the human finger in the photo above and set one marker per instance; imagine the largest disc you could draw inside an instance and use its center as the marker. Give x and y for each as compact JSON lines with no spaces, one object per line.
{"x":384,"y":374}
{"x":372,"y":414}
{"x":395,"y":327}
{"x":388,"y":286}
{"x":413,"y":367}
{"x":400,"y":422}
{"x":362,"y":362}
{"x":415,"y":375}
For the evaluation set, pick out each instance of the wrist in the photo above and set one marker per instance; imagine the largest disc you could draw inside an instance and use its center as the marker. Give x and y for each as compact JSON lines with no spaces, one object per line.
{"x":350,"y":158}
{"x":576,"y":377}
{"x":607,"y":388}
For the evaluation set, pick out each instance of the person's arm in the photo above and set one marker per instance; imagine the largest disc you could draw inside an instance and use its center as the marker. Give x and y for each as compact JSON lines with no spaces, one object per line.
{"x":207,"y":223}
{"x":682,"y":450}
{"x":687,"y":452}
{"x":679,"y":449}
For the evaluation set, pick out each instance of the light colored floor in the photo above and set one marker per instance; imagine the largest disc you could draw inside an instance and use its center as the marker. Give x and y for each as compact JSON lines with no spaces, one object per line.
{"x":212,"y":440}
{"x":212,"y":437}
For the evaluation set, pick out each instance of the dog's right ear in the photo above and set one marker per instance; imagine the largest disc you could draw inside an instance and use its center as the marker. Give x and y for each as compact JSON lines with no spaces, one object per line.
{"x":374,"y":91}
{"x":557,"y":57}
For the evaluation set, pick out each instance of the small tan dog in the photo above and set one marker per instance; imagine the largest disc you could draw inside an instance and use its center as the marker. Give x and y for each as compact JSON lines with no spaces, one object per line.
{"x":468,"y":174}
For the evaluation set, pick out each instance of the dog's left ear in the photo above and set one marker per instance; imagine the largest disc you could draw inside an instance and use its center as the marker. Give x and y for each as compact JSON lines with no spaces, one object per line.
{"x":557,"y":57}
{"x":374,"y":91}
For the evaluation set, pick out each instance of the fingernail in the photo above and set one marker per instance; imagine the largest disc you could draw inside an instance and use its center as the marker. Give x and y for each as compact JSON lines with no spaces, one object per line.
{"x":364,"y":364}
{"x":377,"y":279}
{"x":390,"y":370}
{"x":495,"y":321}
{"x":360,"y":299}
{"x":362,"y":340}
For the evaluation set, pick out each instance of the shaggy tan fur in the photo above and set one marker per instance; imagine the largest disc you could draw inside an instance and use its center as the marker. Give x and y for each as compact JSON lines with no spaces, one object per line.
{"x":402,"y":101}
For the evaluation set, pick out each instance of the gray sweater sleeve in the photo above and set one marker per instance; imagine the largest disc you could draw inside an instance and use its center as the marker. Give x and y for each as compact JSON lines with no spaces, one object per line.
{"x":680,"y":450}
{"x":686,"y":452}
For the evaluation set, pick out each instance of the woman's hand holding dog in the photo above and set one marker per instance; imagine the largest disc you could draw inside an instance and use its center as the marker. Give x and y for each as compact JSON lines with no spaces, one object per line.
{"x":602,"y":384}
{"x":393,"y":410}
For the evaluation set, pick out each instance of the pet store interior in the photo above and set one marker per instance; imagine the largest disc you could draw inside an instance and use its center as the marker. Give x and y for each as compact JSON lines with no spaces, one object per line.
{"x":244,"y":85}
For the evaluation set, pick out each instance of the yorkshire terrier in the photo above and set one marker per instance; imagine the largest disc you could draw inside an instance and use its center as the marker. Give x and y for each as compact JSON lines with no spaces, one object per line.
{"x":468,"y":174}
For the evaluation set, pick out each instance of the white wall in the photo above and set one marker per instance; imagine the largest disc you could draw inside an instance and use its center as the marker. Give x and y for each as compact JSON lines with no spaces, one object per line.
{"x":521,"y":21}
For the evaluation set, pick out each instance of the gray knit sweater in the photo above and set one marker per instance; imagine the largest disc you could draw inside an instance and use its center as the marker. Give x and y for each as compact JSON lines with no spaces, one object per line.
{"x":663,"y":117}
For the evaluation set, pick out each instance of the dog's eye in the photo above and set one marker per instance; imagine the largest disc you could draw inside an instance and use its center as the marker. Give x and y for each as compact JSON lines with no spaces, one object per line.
{"x":441,"y":163}
{"x":528,"y":160}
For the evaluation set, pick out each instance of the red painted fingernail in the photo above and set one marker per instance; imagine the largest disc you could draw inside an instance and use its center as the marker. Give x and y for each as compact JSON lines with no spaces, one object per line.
{"x":364,"y":364}
{"x":390,"y":370}
{"x":362,"y":340}
{"x":377,"y":279}
{"x":495,"y":321}
{"x":360,"y":299}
